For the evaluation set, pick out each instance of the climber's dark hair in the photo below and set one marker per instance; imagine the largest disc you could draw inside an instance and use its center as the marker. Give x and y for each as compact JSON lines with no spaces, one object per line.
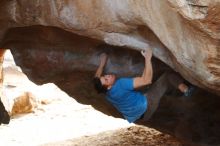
{"x":98,"y":85}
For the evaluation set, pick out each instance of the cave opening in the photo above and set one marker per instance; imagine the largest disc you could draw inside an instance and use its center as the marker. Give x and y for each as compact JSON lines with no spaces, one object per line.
{"x":176,"y":115}
{"x":69,"y":61}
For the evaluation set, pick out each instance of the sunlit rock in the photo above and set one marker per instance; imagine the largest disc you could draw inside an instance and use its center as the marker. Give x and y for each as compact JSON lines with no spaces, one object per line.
{"x":25,"y":103}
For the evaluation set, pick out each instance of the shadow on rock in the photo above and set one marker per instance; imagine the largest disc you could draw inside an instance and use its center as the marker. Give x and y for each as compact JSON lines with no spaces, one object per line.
{"x":4,"y":116}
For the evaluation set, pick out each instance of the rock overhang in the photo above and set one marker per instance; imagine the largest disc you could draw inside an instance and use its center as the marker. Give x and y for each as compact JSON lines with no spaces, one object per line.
{"x":187,"y":42}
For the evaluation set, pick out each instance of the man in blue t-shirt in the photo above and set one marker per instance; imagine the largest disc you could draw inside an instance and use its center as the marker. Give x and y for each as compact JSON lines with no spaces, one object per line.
{"x":122,"y":93}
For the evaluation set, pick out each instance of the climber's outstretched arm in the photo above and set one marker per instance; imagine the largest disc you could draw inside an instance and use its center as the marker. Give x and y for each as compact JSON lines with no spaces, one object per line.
{"x":147,"y":75}
{"x":103,"y":60}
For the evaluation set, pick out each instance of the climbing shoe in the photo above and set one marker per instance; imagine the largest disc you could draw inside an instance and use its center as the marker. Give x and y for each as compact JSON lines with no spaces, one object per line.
{"x":189,"y":92}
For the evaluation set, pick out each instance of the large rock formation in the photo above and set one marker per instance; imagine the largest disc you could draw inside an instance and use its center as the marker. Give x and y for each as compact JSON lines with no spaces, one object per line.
{"x":56,"y":41}
{"x":182,"y":33}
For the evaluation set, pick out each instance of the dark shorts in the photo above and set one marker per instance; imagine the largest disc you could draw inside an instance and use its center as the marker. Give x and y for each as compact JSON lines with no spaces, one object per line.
{"x":166,"y":81}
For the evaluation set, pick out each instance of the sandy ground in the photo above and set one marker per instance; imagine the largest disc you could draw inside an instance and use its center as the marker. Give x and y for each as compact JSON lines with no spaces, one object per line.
{"x":131,"y":136}
{"x":58,"y":119}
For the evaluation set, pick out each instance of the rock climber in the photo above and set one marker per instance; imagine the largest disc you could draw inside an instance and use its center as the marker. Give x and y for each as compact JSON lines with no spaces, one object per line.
{"x":122,"y":93}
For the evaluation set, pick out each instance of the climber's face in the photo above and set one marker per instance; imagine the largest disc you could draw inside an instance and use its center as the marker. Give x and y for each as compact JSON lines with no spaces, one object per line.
{"x":108,"y":80}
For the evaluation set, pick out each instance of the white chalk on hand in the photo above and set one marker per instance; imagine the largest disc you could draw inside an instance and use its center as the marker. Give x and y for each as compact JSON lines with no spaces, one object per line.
{"x":143,"y":52}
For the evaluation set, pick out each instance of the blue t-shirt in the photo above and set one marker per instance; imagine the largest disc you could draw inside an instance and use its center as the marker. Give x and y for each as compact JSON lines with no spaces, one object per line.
{"x":132,"y":104}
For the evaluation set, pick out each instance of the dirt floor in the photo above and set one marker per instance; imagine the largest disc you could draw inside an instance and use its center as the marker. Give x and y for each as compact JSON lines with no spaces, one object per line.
{"x":131,"y":136}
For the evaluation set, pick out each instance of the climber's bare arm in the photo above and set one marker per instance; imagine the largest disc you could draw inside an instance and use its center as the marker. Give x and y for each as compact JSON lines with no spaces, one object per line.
{"x":103,"y":60}
{"x":147,"y":75}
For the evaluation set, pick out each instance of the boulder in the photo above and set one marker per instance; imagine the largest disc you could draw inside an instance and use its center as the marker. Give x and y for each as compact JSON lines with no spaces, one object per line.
{"x":59,"y":41}
{"x":24,"y":103}
{"x":182,"y":33}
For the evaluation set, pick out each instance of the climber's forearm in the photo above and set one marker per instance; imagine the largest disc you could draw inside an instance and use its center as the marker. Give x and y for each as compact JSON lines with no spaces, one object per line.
{"x":99,"y":71}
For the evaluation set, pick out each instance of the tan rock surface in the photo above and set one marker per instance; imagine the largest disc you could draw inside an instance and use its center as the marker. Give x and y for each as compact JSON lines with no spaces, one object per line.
{"x":188,"y":30}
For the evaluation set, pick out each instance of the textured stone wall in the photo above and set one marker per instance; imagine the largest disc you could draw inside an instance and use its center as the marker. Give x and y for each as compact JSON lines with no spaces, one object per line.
{"x":182,"y":33}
